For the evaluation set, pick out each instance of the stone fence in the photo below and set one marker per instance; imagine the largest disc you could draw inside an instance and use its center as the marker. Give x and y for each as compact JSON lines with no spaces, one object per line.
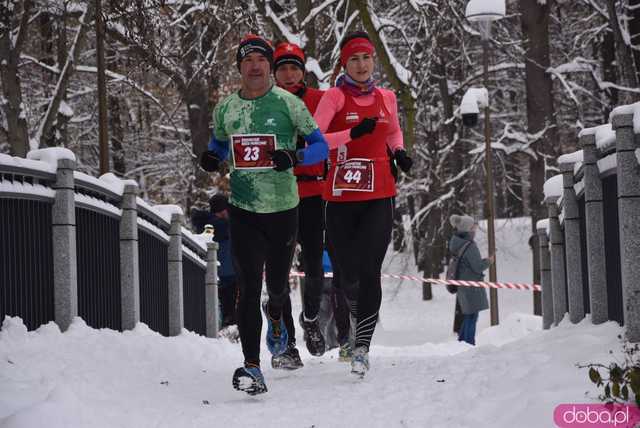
{"x":75,"y":245}
{"x":590,"y":245}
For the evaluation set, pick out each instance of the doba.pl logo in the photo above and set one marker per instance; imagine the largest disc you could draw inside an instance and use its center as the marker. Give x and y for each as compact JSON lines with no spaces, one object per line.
{"x":596,"y":416}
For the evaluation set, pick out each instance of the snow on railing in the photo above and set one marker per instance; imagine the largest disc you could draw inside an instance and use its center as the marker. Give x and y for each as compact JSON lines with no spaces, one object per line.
{"x":593,"y":232}
{"x":48,"y":178}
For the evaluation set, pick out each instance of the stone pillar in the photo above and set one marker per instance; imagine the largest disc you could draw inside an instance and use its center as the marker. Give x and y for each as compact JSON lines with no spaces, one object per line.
{"x":572,"y":241}
{"x":545,"y":278}
{"x":629,"y":221}
{"x":558,"y":284}
{"x":211,"y":290}
{"x":176,"y":306}
{"x":65,"y":274}
{"x":129,"y":266}
{"x":594,"y":217}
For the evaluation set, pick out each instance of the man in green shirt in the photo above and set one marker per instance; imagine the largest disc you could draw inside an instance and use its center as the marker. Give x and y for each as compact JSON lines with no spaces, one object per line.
{"x":256,"y":129}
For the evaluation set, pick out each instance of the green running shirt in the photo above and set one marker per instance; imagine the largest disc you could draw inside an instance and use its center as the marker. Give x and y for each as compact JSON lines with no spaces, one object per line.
{"x":276,"y":112}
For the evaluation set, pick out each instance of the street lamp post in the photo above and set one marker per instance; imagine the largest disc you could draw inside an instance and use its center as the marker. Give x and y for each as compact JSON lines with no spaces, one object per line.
{"x":485,"y":12}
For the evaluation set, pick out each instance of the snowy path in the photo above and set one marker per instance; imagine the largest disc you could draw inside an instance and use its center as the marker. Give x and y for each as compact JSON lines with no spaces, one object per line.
{"x":89,"y":377}
{"x":420,"y":375}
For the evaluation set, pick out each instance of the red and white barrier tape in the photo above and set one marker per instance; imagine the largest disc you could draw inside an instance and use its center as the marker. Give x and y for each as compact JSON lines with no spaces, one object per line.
{"x":479,"y":284}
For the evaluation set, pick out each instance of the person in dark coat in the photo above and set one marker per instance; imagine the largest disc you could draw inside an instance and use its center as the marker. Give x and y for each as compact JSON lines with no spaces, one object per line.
{"x":227,"y":289}
{"x":471,"y":267}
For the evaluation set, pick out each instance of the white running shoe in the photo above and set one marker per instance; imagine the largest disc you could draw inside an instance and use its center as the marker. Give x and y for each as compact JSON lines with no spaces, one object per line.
{"x":360,"y":361}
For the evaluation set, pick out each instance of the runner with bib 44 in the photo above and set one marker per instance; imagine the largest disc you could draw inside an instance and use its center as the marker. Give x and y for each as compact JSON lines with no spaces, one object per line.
{"x":361,"y":125}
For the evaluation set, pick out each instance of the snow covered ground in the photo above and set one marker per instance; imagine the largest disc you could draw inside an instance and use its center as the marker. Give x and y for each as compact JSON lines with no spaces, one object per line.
{"x":420,"y":375}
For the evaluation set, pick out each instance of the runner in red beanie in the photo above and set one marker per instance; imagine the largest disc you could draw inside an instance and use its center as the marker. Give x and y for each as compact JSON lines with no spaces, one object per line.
{"x":289,"y":71}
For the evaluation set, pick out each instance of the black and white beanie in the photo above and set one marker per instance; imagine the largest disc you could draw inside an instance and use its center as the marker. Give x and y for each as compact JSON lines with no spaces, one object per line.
{"x":252,"y":43}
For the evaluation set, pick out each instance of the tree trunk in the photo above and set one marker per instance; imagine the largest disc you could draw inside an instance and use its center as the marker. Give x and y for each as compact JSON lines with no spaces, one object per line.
{"x":103,"y":125}
{"x":196,"y":98}
{"x":609,"y":72}
{"x":633,"y":12}
{"x":117,"y":135}
{"x":47,"y":126}
{"x":62,"y":47}
{"x":624,"y":57}
{"x":403,"y":91}
{"x":304,"y":7}
{"x":540,"y":109}
{"x":12,"y":90}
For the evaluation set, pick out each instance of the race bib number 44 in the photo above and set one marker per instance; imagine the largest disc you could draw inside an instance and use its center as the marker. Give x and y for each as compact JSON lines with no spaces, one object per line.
{"x":355,"y":175}
{"x":251,"y":151}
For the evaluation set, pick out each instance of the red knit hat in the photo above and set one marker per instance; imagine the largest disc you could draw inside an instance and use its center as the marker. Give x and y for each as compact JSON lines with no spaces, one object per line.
{"x":288,"y":53}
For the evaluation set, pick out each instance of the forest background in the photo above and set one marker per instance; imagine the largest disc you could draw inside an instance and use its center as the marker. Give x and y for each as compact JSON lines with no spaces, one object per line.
{"x":555,"y":67}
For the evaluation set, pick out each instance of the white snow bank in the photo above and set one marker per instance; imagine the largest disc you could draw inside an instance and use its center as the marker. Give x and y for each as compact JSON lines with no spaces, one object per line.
{"x":65,"y":109}
{"x":576,"y":167}
{"x":543,"y":224}
{"x":473,"y":100}
{"x":19,"y":162}
{"x":573,"y":157}
{"x":195,"y":257}
{"x":115,"y":183}
{"x":51,"y":155}
{"x":97,"y":204}
{"x":514,"y":327}
{"x":633,"y":109}
{"x":144,"y":204}
{"x":638,"y":155}
{"x":152,"y":229}
{"x":84,"y":377}
{"x":200,"y":240}
{"x":604,"y":134}
{"x":80,"y":378}
{"x":96,"y":182}
{"x":608,"y":163}
{"x":26,"y":188}
{"x":553,"y":187}
{"x":166,"y":211}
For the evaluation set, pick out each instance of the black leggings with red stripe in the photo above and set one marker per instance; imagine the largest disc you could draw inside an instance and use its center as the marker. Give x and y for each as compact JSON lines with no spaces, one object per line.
{"x":360,"y":233}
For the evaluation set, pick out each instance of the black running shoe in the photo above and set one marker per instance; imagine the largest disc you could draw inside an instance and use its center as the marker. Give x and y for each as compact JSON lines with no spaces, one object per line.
{"x":288,"y":360}
{"x":313,"y":336}
{"x":249,"y":380}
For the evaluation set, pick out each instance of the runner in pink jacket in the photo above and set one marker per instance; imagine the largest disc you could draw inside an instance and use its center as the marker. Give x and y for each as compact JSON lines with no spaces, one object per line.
{"x":360,"y":124}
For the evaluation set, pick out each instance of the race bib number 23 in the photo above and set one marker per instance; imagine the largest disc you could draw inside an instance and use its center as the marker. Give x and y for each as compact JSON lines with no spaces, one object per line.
{"x":355,"y":175}
{"x":251,"y":151}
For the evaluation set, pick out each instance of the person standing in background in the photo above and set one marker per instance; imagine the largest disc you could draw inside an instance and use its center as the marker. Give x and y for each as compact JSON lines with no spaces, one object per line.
{"x":227,"y":287}
{"x":471,"y":267}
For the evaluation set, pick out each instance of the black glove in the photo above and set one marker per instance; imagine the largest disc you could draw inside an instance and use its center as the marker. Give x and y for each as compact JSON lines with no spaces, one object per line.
{"x":209,"y":161}
{"x":284,"y":159}
{"x":367,"y":126}
{"x":404,"y":162}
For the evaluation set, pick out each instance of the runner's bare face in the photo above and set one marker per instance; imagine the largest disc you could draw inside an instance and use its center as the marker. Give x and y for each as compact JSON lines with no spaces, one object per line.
{"x":360,"y":66}
{"x":255,"y":70}
{"x":288,"y":75}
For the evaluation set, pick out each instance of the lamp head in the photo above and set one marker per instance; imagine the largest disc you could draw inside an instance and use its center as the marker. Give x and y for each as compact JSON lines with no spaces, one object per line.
{"x":485,"y":10}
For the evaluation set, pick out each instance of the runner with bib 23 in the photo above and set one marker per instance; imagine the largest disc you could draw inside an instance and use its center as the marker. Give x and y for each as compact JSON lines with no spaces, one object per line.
{"x":257,"y":128}
{"x":362,"y":128}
